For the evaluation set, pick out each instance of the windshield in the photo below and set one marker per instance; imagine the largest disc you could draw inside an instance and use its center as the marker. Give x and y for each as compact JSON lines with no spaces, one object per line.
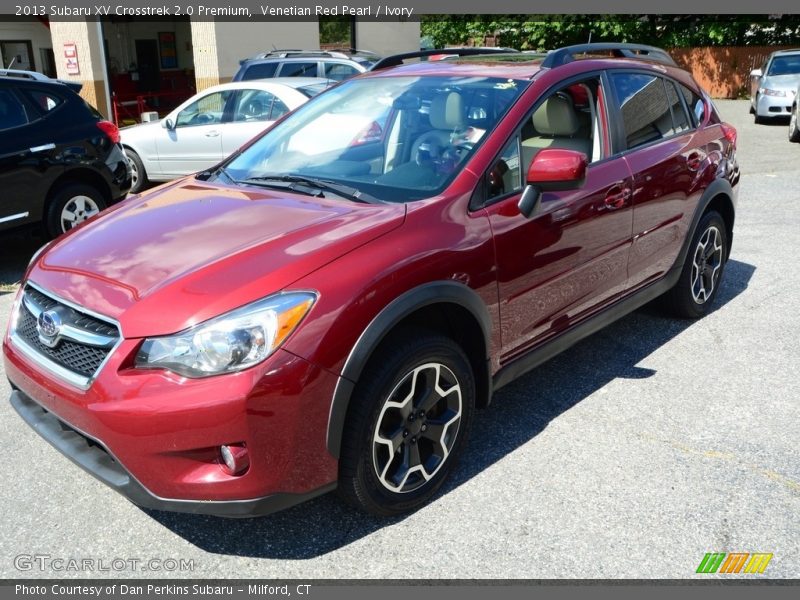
{"x":394,"y":139}
{"x":785,"y":65}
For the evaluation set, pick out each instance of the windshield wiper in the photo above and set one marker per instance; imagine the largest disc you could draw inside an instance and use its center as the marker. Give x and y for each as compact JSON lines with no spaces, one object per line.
{"x":324,"y":185}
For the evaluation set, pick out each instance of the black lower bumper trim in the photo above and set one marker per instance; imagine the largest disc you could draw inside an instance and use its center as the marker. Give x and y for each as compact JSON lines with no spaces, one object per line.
{"x":91,"y":456}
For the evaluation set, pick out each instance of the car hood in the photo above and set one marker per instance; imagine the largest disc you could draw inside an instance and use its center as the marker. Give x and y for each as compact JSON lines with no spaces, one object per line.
{"x":781,"y":82}
{"x":189,"y":251}
{"x":136,"y":131}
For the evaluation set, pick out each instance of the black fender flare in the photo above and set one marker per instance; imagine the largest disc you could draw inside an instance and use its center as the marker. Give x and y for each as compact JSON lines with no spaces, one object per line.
{"x":719,"y":187}
{"x":437,"y":292}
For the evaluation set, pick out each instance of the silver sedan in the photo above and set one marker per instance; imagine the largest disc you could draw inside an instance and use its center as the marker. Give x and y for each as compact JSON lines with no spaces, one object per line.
{"x":773,"y":87}
{"x":210,"y":126}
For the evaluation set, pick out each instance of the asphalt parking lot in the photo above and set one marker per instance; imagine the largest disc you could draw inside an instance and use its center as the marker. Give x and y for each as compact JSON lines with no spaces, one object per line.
{"x":629,"y":456}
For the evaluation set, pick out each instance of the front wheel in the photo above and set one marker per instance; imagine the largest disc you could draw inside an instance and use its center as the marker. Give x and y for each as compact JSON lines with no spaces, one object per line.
{"x":701,"y":275}
{"x":794,"y":125}
{"x":139,"y":179}
{"x":407,"y":424}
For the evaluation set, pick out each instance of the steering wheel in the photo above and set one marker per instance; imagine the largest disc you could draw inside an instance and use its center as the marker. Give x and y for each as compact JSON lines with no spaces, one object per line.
{"x":202,"y":119}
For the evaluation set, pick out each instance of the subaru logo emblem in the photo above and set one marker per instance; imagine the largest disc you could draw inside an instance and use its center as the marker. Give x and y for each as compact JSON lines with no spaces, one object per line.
{"x":48,"y":325}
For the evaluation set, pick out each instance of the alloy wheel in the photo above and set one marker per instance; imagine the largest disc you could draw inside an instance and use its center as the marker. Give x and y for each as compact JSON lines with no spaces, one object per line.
{"x":134,"y":174}
{"x":417,"y":427}
{"x":706,"y":265}
{"x":77,"y":210}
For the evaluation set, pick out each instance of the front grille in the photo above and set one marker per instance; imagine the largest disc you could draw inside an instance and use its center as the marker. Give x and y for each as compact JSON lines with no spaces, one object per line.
{"x":80,"y":358}
{"x":78,"y":319}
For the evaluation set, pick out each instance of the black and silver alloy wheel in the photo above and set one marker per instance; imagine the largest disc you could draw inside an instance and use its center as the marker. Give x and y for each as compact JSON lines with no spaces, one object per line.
{"x":701,"y":274}
{"x":417,"y":428}
{"x":706,"y":265}
{"x":407,"y":423}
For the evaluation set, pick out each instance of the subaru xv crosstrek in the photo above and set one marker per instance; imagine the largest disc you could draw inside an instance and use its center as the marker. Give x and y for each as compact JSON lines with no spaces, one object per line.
{"x":328,"y":307}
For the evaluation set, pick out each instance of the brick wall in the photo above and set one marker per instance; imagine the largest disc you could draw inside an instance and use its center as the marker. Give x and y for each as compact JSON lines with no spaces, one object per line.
{"x":723,"y":71}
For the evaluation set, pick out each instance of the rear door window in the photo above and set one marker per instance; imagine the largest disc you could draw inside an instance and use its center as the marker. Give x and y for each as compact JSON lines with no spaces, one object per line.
{"x":644,"y":108}
{"x":298,"y":69}
{"x":12,"y":112}
{"x":260,"y":71}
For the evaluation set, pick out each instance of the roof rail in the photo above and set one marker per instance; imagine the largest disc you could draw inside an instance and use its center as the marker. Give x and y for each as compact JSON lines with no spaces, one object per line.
{"x":397,"y":59}
{"x":562,"y":56}
{"x":36,"y":76}
{"x":352,"y":51}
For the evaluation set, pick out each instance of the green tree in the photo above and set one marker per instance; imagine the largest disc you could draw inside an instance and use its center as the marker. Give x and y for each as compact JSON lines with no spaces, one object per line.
{"x":541,"y":32}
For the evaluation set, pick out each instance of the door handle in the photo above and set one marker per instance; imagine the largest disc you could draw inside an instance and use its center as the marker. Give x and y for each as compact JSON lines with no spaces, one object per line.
{"x":617,"y":197}
{"x":694,"y":160}
{"x":43,"y":147}
{"x":212,"y":134}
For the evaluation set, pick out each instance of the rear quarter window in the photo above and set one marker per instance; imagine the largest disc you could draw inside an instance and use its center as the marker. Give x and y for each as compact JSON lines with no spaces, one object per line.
{"x":45,"y":102}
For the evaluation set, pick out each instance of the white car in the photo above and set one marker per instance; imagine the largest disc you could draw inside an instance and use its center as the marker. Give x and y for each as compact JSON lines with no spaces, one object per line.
{"x":211,"y":125}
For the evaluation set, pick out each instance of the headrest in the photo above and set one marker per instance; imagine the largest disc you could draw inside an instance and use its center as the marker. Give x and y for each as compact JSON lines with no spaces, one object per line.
{"x":447,"y":112}
{"x":556,"y":117}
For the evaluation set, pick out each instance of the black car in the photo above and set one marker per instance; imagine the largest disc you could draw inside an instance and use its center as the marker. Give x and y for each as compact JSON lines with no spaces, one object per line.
{"x":60,"y":160}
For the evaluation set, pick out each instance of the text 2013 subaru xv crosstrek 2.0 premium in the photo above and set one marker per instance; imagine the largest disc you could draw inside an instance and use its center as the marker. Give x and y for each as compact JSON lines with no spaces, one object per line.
{"x":328,"y":307}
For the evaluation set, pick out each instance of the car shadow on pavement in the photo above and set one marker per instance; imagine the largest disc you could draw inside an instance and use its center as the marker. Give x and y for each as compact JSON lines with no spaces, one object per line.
{"x":325,"y":524}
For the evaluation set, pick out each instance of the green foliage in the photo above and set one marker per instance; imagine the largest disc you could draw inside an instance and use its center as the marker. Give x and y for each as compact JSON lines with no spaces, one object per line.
{"x":542,"y":32}
{"x":335,"y":30}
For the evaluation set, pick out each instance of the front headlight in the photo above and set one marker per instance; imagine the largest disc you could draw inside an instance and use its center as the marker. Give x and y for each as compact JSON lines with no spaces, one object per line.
{"x":237,"y":340}
{"x":769,"y":92}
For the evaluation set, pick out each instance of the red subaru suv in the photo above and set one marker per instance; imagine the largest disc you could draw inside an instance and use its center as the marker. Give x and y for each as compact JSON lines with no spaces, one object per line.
{"x":329,"y":306}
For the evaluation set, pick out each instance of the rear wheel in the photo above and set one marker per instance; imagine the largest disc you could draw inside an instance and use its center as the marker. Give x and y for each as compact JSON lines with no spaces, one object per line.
{"x":701,"y":275}
{"x":70,"y":206}
{"x":794,"y":125}
{"x":408,"y":422}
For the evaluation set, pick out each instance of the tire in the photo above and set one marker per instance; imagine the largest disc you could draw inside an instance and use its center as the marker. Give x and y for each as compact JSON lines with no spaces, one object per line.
{"x":384,"y":413}
{"x":698,"y":285}
{"x":756,"y":119}
{"x":139,"y":179}
{"x":794,"y":125}
{"x":71,"y":205}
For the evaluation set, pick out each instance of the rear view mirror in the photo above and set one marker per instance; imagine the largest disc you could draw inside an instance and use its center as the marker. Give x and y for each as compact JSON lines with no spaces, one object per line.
{"x":168,"y":124}
{"x":552,"y":169}
{"x":756,"y":73}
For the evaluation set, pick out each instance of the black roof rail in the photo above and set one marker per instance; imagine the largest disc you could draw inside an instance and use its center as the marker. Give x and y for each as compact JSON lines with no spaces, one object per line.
{"x":397,"y":59}
{"x":562,"y":56}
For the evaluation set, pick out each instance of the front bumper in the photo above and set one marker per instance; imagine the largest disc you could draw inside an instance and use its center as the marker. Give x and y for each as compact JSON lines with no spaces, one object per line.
{"x":158,"y":434}
{"x":774,"y":106}
{"x":91,"y":456}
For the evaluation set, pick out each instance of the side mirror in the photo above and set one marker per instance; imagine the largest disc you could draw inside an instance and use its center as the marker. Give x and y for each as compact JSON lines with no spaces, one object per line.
{"x":756,"y":73}
{"x":168,"y":124}
{"x":552,"y":169}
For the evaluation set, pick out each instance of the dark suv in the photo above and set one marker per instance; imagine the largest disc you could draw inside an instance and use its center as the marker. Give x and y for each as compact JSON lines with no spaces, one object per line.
{"x":60,"y":160}
{"x":329,"y":306}
{"x":334,"y":64}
